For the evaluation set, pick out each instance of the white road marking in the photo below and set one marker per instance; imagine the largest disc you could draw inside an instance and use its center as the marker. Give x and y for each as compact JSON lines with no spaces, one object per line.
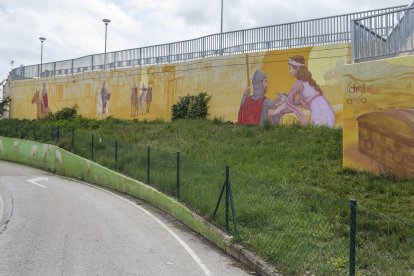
{"x":180,"y":241}
{"x":34,"y":180}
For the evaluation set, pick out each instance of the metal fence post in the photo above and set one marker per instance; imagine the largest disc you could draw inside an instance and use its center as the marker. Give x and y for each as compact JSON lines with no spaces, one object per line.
{"x":352,"y":236}
{"x":178,"y":175}
{"x":92,"y":147}
{"x":148,"y":165}
{"x":227,"y":198}
{"x":233,"y":210}
{"x":116,"y":155}
{"x":219,"y":199}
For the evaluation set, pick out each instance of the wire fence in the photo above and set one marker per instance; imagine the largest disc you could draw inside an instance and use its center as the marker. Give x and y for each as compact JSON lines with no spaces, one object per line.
{"x":321,"y":31}
{"x":296,"y":231}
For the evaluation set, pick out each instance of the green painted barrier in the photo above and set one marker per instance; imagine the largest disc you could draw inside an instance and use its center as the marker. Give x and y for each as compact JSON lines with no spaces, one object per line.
{"x":59,"y":161}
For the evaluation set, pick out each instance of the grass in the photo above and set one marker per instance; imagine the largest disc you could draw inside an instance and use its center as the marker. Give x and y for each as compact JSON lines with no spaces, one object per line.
{"x":290,"y":190}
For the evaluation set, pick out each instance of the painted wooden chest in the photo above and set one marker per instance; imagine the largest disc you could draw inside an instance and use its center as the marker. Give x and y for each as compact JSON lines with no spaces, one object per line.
{"x":387,"y":137}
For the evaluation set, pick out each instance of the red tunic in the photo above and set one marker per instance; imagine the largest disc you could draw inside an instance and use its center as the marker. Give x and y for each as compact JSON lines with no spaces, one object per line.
{"x":45,"y":100}
{"x":250,"y":111}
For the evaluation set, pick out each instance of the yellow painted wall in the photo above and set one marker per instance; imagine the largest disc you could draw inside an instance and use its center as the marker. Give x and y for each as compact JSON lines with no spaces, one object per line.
{"x":224,"y":78}
{"x":384,"y":90}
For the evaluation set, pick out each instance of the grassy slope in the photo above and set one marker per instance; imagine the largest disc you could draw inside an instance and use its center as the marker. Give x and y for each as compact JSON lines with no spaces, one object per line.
{"x":309,"y":158}
{"x":305,"y":159}
{"x":269,"y":165}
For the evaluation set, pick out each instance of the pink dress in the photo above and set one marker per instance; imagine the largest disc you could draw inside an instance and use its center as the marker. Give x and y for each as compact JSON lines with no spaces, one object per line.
{"x":321,"y":111}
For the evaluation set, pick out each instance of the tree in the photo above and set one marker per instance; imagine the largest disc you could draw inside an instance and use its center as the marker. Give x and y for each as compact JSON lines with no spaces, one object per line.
{"x":4,"y":105}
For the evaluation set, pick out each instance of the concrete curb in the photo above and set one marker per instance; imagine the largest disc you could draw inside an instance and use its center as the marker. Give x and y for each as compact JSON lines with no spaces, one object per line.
{"x":59,"y":161}
{"x":252,"y":261}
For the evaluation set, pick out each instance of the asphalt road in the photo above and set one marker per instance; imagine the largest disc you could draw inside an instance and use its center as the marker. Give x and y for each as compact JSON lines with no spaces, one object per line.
{"x":55,"y":226}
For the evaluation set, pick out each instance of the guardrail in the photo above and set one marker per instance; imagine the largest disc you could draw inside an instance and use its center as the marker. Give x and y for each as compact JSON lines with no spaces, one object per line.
{"x":384,"y":35}
{"x":322,"y":31}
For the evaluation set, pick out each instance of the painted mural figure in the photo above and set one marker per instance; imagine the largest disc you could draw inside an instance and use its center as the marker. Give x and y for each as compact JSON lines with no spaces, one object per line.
{"x":103,"y":102}
{"x":42,"y":103}
{"x":148,"y":98}
{"x":36,"y":100}
{"x":98,"y":106}
{"x":254,"y":108}
{"x":142,"y":99}
{"x":134,"y":100}
{"x":307,"y":94}
{"x":45,"y":100}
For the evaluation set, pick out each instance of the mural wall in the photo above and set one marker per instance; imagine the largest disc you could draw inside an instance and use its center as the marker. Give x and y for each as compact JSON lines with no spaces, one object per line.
{"x":294,"y":85}
{"x":378,"y":118}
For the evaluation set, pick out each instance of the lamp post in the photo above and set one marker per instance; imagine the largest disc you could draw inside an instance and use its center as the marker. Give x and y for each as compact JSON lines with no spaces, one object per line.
{"x":221,"y":30}
{"x":221,"y":25}
{"x":42,"y":39}
{"x":106,"y":21}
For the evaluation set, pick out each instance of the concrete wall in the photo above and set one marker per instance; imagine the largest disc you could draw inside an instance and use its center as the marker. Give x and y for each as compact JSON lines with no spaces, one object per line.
{"x":378,"y":123}
{"x":225,"y":78}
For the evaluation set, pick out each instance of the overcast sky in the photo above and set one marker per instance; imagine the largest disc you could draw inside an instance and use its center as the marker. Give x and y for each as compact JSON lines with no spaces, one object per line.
{"x":74,"y":28}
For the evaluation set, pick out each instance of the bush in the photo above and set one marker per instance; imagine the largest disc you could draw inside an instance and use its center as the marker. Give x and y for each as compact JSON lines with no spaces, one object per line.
{"x":4,"y":104}
{"x":191,"y":107}
{"x":65,"y":113}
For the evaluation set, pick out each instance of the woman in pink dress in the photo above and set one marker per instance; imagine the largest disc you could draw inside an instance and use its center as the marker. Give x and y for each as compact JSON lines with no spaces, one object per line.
{"x":306,"y":93}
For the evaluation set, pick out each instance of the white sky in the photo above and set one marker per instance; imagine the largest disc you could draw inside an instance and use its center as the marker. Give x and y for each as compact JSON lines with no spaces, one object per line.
{"x":74,"y":28}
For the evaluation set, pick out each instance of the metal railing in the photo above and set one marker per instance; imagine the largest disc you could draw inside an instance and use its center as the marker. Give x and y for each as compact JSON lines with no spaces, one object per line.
{"x":322,"y":31}
{"x":384,"y":35}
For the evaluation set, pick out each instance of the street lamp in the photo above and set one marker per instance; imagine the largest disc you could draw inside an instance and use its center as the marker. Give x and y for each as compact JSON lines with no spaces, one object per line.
{"x":221,"y":30}
{"x":221,"y":25}
{"x":106,"y":21}
{"x":42,"y":39}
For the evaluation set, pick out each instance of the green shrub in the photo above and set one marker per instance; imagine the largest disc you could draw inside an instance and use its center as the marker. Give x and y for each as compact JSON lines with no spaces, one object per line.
{"x":3,"y":105}
{"x":191,"y":107}
{"x":65,"y":113}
